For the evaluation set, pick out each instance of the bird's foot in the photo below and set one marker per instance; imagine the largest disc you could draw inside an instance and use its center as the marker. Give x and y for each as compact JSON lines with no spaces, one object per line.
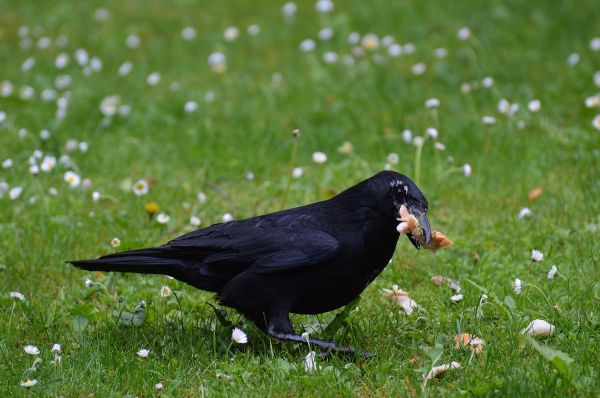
{"x":329,"y":348}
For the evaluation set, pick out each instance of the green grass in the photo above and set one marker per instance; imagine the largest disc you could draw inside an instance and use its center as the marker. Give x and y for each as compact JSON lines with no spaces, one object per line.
{"x":523,"y":45}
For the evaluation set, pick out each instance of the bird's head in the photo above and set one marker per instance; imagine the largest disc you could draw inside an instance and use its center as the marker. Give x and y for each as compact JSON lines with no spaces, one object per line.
{"x":402,"y":191}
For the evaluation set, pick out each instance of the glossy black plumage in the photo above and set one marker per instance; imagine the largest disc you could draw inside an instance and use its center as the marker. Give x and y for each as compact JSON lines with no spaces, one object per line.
{"x":306,"y":260}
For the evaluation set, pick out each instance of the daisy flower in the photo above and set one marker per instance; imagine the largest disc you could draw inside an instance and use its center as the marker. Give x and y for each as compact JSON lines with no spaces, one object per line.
{"x":217,"y":62}
{"x":190,"y":106}
{"x":407,"y":136}
{"x":227,"y":217}
{"x":31,"y":350}
{"x":140,"y":187}
{"x":319,"y":157}
{"x":534,"y":105}
{"x":195,"y":221}
{"x":518,"y":286}
{"x":48,"y":163}
{"x":487,"y":82}
{"x":330,"y":57}
{"x":456,"y":298}
{"x":125,"y":68}
{"x":143,"y":353}
{"x":115,"y":242}
{"x":537,"y":255}
{"x":297,"y":172}
{"x":307,"y":45}
{"x":56,"y":349}
{"x":463,"y":33}
{"x":596,"y":122}
{"x":72,"y":179}
{"x":552,"y":272}
{"x":573,"y":59}
{"x":28,"y":383}
{"x":353,"y":38}
{"x":324,"y":6}
{"x":395,"y":50}
{"x":201,"y":197}
{"x":7,"y":164}
{"x":96,"y":196}
{"x":163,"y":218}
{"x":325,"y":34}
{"x":132,"y":41}
{"x":439,"y":146}
{"x":595,"y":44}
{"x":159,"y":386}
{"x":165,"y":291}
{"x":488,"y":120}
{"x":432,"y":133}
{"x":253,"y":30}
{"x":418,"y":69}
{"x":467,"y":170}
{"x":393,"y":158}
{"x":17,"y":296}
{"x":188,"y":33}
{"x":110,"y":105}
{"x":432,"y":103}
{"x":239,"y":336}
{"x":525,"y":212}
{"x":370,"y":42}
{"x":61,"y":61}
{"x":231,"y":33}
{"x":289,"y":9}
{"x":153,"y":79}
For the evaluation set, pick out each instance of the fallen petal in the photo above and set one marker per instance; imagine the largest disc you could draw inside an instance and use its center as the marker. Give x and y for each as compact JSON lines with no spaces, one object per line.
{"x":538,"y":328}
{"x":438,"y":370}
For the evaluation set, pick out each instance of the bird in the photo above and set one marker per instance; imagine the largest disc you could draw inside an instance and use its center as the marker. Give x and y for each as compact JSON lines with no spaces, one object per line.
{"x":304,"y":260}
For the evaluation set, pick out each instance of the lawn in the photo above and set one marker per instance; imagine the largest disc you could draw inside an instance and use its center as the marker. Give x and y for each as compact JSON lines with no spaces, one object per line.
{"x":98,"y":96}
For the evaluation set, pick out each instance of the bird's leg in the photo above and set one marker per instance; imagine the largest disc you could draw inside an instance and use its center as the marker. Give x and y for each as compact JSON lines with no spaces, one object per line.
{"x":281,"y":328}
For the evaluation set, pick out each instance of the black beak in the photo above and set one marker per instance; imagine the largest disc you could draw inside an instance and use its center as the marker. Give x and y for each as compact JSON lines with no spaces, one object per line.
{"x":419,"y":212}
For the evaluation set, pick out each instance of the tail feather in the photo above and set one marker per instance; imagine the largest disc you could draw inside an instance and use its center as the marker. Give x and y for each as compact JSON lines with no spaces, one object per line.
{"x":145,"y":261}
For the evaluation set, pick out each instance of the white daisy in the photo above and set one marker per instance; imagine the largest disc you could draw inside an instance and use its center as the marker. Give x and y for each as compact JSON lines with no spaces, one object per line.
{"x":395,"y":50}
{"x":393,"y":158}
{"x":573,"y":59}
{"x":534,"y":105}
{"x":487,"y":82}
{"x":133,"y":41}
{"x":201,"y":197}
{"x":432,"y":103}
{"x":467,"y":170}
{"x":456,"y":298}
{"x":518,"y":286}
{"x":165,"y":291}
{"x":353,"y":38}
{"x":370,"y":42}
{"x":597,"y":78}
{"x":297,"y":172}
{"x":440,"y":53}
{"x":325,"y":34}
{"x":125,"y":68}
{"x":115,"y":242}
{"x":525,"y":213}
{"x":593,"y":101}
{"x":96,"y":196}
{"x":48,"y":163}
{"x":44,"y":134}
{"x":61,"y":61}
{"x":31,"y":350}
{"x":195,"y":221}
{"x":408,"y":48}
{"x":7,"y":164}
{"x":110,"y":105}
{"x":431,"y":133}
{"x":488,"y":120}
{"x":159,"y":386}
{"x":537,"y":255}
{"x":330,"y":57}
{"x":190,"y":106}
{"x":596,"y":122}
{"x":552,"y":272}
{"x":140,"y":187}
{"x":188,"y":33}
{"x":253,"y":30}
{"x":231,"y":33}
{"x":439,"y":146}
{"x":28,"y":383}
{"x":319,"y":157}
{"x":407,"y":136}
{"x":307,"y":45}
{"x":418,"y":140}
{"x":239,"y":336}
{"x":324,"y":6}
{"x":418,"y":69}
{"x":72,"y":179}
{"x":17,"y":296}
{"x":463,"y":33}
{"x":153,"y":79}
{"x":81,"y":56}
{"x":227,"y":217}
{"x":143,"y":353}
{"x":595,"y":44}
{"x":289,"y":9}
{"x":163,"y":218}
{"x":56,"y":349}
{"x":217,"y":62}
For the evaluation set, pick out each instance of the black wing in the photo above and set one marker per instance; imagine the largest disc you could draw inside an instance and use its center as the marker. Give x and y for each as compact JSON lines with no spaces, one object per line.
{"x":274,"y":243}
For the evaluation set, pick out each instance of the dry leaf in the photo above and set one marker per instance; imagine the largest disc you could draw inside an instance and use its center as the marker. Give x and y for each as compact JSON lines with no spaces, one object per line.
{"x":438,"y":370}
{"x":535,"y":193}
{"x":474,"y":343}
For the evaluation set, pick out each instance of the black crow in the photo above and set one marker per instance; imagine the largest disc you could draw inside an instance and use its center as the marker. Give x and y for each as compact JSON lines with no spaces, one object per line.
{"x":306,"y":260}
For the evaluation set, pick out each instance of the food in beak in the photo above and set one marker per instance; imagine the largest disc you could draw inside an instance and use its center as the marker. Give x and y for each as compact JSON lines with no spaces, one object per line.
{"x":409,"y":224}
